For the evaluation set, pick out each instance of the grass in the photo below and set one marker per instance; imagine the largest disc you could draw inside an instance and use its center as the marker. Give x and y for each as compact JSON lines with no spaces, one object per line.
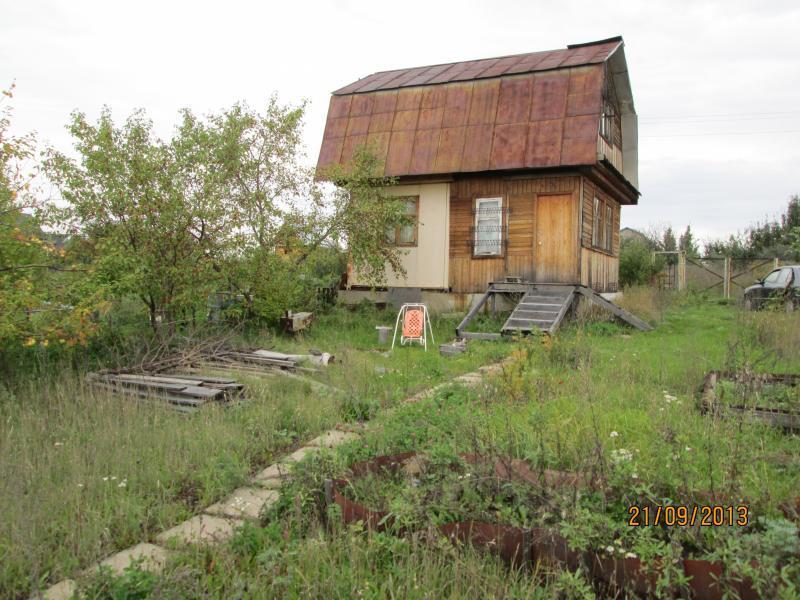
{"x":84,"y":473}
{"x":599,"y":398}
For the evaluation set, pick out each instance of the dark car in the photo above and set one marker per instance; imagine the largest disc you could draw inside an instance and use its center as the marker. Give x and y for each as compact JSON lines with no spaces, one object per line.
{"x":782,"y":284}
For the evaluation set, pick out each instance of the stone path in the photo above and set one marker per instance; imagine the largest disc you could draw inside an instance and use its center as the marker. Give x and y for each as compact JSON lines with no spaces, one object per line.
{"x":219,"y":521}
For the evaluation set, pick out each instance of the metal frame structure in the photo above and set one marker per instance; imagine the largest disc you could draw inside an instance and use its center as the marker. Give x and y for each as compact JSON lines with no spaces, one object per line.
{"x":426,"y":326}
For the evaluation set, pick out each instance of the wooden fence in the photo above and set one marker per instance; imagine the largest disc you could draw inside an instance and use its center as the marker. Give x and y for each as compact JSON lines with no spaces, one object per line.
{"x":723,"y":275}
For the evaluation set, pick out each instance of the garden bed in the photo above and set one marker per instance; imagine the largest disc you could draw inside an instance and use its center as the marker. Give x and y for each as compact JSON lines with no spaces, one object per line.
{"x":366,"y":496}
{"x":771,"y":398}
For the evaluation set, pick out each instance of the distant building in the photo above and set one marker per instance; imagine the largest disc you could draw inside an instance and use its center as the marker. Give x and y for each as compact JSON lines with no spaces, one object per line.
{"x":629,"y":233}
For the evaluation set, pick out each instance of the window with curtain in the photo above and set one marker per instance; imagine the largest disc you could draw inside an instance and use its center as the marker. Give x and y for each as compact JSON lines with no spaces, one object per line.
{"x":488,"y":227}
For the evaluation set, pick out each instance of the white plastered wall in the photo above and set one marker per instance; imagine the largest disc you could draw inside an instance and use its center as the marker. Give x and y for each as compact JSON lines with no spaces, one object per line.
{"x":426,"y":264}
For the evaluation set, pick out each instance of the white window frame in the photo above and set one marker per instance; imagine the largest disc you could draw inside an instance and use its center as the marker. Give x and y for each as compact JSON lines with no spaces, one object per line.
{"x":498,"y":251}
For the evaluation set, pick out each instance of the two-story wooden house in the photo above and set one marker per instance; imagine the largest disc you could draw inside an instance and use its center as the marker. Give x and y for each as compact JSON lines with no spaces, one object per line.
{"x":514,"y":167}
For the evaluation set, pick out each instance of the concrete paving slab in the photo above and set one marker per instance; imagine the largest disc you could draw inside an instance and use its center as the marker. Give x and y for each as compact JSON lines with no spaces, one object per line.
{"x":244,"y":503}
{"x":200,"y":529}
{"x":299,"y":454}
{"x":63,"y":590}
{"x":333,"y":438}
{"x":276,"y":471}
{"x":153,"y":558}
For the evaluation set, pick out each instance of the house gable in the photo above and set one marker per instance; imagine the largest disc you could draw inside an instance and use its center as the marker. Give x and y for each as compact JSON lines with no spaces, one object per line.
{"x":531,"y":111}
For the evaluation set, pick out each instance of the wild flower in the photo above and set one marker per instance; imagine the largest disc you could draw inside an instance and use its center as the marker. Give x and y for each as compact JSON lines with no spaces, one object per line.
{"x":630,"y":555}
{"x":688,"y":448}
{"x":58,"y":444}
{"x":105,"y":478}
{"x":614,"y":434}
{"x":621,"y":455}
{"x":123,"y":483}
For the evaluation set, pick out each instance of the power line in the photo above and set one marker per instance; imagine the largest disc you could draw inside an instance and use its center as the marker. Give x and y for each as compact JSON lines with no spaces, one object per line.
{"x":703,"y":116}
{"x":715,"y":120}
{"x":710,"y":133}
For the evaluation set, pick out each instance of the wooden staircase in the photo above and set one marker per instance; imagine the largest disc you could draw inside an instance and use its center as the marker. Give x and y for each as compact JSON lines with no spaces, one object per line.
{"x":540,"y":308}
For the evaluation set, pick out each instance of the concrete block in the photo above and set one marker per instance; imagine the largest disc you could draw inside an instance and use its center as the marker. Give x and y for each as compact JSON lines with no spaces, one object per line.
{"x":154,"y":558}
{"x":333,"y":438}
{"x":276,"y":471}
{"x":199,"y":529}
{"x":244,"y":503}
{"x":63,"y":590}
{"x":299,"y":454}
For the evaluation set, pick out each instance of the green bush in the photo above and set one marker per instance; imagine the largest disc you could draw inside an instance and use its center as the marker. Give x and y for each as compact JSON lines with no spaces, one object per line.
{"x":637,"y":266}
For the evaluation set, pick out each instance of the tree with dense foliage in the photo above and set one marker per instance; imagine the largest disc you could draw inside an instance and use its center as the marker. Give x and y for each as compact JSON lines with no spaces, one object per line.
{"x":223,"y":208}
{"x":38,"y":301}
{"x":687,"y":243}
{"x":772,"y":238}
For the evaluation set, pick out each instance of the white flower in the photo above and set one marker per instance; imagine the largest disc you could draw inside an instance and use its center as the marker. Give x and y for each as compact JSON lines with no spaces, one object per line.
{"x":621,"y":455}
{"x":58,"y":444}
{"x":630,"y":555}
{"x":610,"y":549}
{"x":635,"y":475}
{"x":105,"y":478}
{"x":80,"y":485}
{"x":122,"y":484}
{"x":614,"y":434}
{"x":113,"y":478}
{"x":688,"y":448}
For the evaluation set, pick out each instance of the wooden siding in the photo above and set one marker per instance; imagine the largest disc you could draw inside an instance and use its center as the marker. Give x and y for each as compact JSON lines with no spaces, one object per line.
{"x":599,"y":271}
{"x":599,"y":268}
{"x":470,"y":274}
{"x":590,"y":190}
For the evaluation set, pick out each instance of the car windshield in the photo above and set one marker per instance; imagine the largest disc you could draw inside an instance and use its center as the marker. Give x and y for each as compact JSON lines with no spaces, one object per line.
{"x":772,"y":277}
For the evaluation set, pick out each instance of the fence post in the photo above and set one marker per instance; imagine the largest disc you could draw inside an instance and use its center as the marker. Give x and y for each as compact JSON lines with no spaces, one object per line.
{"x":776,"y":262}
{"x":681,"y":271}
{"x":726,"y":281}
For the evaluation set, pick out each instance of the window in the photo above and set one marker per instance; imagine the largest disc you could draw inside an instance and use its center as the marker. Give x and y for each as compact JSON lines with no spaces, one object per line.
{"x":607,"y":121}
{"x":784,"y":277}
{"x":597,"y":215}
{"x":772,"y":278}
{"x":602,"y":225}
{"x":488,"y":227}
{"x":406,"y":235}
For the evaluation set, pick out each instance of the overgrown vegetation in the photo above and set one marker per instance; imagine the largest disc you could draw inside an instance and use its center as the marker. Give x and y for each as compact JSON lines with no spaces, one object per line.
{"x":597,"y":401}
{"x":84,"y":473}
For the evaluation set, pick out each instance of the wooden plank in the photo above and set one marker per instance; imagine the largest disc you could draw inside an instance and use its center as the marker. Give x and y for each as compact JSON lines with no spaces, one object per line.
{"x":474,"y":335}
{"x":614,"y":309}
{"x":203,"y":378}
{"x":155,"y":379}
{"x":473,"y":311}
{"x":561,"y":314}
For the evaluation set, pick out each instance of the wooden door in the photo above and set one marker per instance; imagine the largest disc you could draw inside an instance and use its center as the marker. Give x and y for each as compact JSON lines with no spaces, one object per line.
{"x":556,"y":246}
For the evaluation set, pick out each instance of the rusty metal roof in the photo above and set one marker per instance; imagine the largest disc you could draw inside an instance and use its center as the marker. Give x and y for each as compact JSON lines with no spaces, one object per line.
{"x":527,"y":111}
{"x":470,"y":70}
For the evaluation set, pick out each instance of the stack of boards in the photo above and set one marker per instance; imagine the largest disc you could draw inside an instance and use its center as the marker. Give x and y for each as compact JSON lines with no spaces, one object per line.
{"x":185,"y":393}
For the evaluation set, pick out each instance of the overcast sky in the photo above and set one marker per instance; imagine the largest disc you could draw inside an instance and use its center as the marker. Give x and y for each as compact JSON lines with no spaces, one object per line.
{"x":716,"y":84}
